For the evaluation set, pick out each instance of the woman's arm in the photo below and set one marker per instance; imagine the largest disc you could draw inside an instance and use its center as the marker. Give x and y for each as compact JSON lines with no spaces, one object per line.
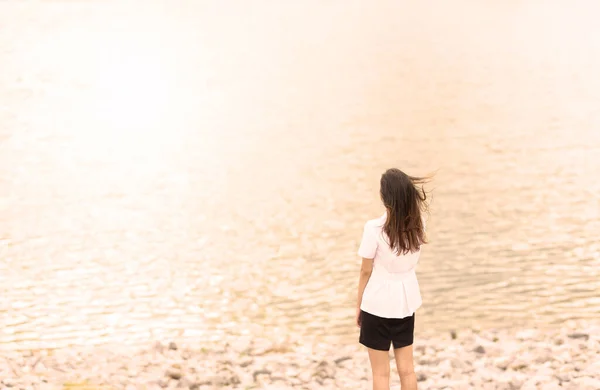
{"x":365,"y":274}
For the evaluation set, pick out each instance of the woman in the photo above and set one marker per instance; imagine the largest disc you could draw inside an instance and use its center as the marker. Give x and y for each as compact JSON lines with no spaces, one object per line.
{"x":388,"y":291}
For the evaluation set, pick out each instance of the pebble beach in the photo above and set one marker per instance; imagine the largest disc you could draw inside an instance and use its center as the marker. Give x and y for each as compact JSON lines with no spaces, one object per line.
{"x":565,"y":358}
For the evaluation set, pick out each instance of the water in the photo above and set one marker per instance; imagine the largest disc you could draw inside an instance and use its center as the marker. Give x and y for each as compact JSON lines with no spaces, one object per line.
{"x":205,"y":170}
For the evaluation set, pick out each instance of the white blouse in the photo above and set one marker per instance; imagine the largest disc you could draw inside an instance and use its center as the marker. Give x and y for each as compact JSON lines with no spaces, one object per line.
{"x":393,"y":290}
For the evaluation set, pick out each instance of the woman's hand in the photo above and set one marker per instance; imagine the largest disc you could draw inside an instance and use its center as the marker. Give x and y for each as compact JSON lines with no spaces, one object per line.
{"x":365,"y":274}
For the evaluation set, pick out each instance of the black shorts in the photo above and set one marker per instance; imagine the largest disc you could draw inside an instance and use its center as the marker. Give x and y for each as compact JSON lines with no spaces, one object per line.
{"x":378,"y":333}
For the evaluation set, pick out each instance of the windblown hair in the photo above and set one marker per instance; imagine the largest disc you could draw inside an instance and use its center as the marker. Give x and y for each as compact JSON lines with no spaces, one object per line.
{"x":404,"y":199}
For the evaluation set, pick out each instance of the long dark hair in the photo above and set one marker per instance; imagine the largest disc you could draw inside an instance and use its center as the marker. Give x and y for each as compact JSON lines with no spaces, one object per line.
{"x":404,"y":199}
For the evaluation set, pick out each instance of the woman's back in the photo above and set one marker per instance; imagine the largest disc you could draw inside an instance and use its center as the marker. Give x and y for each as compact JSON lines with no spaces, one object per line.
{"x":384,"y":256}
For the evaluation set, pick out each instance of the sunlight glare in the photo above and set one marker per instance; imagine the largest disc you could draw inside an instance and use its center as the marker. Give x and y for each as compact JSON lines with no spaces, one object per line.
{"x":132,"y":98}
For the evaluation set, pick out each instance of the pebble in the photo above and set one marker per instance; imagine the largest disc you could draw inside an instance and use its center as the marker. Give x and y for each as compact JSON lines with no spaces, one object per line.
{"x":258,"y":373}
{"x":588,"y":383}
{"x":583,"y":336}
{"x":503,"y":362}
{"x":528,"y":359}
{"x":173,"y":373}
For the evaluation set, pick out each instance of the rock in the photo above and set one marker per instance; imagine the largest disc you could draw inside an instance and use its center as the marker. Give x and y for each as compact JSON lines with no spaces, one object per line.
{"x":158,"y":347}
{"x":517,"y":380}
{"x":185,"y":355}
{"x":453,"y":334}
{"x":563,"y":377}
{"x":587,"y":383}
{"x":446,"y":383}
{"x":502,"y":362}
{"x":593,"y":369}
{"x":545,"y":372}
{"x":527,"y":334}
{"x":577,"y":336}
{"x":186,"y":383}
{"x":342,"y":359}
{"x":543,"y":357}
{"x":551,"y":386}
{"x":479,"y":349}
{"x":503,"y":382}
{"x":224,"y":380}
{"x":563,"y":357}
{"x":428,"y":361}
{"x":324,"y":371}
{"x":488,"y":374}
{"x":559,"y":341}
{"x":174,"y":373}
{"x":275,"y":379}
{"x":458,"y":364}
{"x":246,"y":362}
{"x":256,"y":374}
{"x":519,"y":364}
{"x":571,"y":386}
{"x":540,"y":381}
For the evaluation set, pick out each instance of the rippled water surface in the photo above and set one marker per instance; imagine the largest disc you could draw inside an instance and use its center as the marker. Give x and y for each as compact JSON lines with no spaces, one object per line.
{"x":204,"y":170}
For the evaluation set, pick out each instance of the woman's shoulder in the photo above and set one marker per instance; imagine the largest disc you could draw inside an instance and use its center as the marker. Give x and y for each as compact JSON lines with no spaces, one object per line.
{"x":376,"y":223}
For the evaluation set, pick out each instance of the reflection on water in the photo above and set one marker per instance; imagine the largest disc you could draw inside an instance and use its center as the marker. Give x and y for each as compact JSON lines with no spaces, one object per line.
{"x":206,"y":170}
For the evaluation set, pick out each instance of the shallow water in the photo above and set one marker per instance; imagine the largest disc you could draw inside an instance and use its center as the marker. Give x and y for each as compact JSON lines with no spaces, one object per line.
{"x":205,"y":170}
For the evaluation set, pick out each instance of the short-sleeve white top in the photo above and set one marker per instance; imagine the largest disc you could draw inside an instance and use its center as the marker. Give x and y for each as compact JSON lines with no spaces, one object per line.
{"x":393,"y":290}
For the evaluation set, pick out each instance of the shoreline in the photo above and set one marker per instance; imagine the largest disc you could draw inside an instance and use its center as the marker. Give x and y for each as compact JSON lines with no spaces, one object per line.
{"x":527,"y":358}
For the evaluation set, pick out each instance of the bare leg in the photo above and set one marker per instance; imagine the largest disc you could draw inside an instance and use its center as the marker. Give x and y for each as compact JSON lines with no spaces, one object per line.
{"x":406,"y":368}
{"x":380,"y":365}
